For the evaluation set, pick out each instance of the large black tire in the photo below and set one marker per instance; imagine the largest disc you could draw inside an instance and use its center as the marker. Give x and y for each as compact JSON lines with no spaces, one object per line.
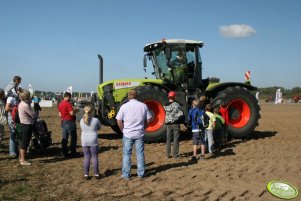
{"x":155,"y":98}
{"x":243,"y":110}
{"x":116,"y":129}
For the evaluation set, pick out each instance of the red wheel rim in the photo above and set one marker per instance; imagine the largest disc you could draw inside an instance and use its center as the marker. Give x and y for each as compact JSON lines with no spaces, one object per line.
{"x":239,"y":113}
{"x":158,"y":114}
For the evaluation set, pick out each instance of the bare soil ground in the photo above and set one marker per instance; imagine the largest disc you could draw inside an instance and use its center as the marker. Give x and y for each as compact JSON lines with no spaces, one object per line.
{"x":239,"y":172}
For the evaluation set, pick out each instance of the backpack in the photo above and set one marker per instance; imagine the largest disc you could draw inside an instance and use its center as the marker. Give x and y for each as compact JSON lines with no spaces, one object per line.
{"x":205,"y":120}
{"x":42,"y":136}
{"x":41,"y":126}
{"x":15,"y":114}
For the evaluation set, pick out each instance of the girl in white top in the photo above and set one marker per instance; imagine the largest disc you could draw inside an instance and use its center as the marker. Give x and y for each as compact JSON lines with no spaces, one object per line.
{"x":89,"y":138}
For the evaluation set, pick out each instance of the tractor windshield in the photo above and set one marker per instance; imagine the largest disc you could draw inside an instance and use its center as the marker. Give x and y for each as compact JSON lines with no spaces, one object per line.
{"x":181,"y":64}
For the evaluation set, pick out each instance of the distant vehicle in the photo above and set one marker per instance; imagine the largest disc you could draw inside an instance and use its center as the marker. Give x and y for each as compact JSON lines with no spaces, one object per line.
{"x":270,"y":99}
{"x":296,"y":99}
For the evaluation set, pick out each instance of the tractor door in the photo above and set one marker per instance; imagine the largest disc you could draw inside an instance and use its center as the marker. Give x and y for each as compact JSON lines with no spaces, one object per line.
{"x":178,"y":64}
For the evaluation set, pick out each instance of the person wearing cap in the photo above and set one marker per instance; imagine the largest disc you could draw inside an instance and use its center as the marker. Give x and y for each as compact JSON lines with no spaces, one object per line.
{"x":12,"y":94}
{"x":173,"y":114}
{"x":132,"y":118}
{"x":14,"y":86}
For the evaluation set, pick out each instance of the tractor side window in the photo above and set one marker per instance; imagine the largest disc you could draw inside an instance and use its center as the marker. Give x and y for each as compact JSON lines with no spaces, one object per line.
{"x":161,"y":60}
{"x":179,"y":58}
{"x":190,"y":57}
{"x":190,"y":63}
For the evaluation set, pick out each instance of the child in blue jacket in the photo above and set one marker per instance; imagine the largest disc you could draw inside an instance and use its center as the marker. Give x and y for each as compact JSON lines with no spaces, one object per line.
{"x":198,"y":136}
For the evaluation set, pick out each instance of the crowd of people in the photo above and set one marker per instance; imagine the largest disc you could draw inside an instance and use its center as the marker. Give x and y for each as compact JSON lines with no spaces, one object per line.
{"x":208,"y":127}
{"x":16,"y":112}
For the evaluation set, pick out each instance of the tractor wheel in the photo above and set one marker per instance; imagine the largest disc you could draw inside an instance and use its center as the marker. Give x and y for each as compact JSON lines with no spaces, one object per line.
{"x":154,"y":98}
{"x":243,"y":110}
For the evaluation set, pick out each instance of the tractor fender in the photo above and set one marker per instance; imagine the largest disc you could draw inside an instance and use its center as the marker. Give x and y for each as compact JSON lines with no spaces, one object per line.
{"x":213,"y":89}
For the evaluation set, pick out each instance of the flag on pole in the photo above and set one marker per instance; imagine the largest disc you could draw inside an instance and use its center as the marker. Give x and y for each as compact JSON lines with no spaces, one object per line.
{"x":248,"y":77}
{"x":30,"y":89}
{"x":69,"y":89}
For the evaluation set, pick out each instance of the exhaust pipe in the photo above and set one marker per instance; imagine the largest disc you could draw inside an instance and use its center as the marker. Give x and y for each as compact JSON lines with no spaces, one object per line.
{"x":100,"y":69}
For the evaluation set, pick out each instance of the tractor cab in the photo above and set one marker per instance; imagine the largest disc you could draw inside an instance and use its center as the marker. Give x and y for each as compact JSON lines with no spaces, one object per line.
{"x":176,"y":62}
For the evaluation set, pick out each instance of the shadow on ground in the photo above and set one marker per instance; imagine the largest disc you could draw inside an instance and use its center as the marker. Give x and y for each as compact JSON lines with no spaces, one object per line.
{"x":263,"y":134}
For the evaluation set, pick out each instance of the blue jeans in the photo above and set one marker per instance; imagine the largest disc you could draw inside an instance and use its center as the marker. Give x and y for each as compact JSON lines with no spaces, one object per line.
{"x":127,"y":153}
{"x":69,"y":128}
{"x":209,"y":139}
{"x":13,"y":144}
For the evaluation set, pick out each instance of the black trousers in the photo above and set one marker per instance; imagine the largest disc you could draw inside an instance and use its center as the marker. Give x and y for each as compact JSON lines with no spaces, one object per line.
{"x":26,"y":132}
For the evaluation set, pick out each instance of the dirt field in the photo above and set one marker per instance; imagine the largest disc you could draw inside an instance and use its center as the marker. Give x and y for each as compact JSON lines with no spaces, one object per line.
{"x":239,"y":172}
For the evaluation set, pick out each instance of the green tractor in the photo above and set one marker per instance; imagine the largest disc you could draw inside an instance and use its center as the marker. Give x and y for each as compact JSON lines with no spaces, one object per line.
{"x":177,"y":67}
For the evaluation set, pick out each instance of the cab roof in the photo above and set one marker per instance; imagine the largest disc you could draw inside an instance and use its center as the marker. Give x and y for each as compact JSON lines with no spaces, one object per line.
{"x":150,"y":46}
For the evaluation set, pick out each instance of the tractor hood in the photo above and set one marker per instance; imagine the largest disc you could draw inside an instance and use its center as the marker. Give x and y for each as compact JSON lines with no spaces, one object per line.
{"x":214,"y":88}
{"x":120,"y":87}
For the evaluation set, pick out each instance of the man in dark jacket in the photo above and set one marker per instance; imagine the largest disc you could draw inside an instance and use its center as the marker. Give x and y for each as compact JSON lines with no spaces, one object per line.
{"x":173,"y":115}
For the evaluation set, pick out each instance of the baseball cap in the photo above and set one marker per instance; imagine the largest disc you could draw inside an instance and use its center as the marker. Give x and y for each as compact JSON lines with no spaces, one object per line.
{"x":171,"y":94}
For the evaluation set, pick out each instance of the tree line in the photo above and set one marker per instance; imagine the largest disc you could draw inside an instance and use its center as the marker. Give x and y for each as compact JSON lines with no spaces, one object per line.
{"x":264,"y":93}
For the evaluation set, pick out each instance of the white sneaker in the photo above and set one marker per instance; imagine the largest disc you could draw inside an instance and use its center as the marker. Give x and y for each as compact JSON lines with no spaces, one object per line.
{"x":25,"y":163}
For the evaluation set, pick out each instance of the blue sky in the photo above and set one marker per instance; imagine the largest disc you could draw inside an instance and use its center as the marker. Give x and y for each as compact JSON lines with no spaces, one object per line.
{"x":54,"y":44}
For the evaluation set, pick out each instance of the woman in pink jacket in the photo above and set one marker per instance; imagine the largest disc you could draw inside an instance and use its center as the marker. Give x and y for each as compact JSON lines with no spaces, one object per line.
{"x":27,"y":117}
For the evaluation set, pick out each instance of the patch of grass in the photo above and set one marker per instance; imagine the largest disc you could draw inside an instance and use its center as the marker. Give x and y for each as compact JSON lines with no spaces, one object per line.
{"x":7,"y":197}
{"x":22,"y":188}
{"x":18,"y":192}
